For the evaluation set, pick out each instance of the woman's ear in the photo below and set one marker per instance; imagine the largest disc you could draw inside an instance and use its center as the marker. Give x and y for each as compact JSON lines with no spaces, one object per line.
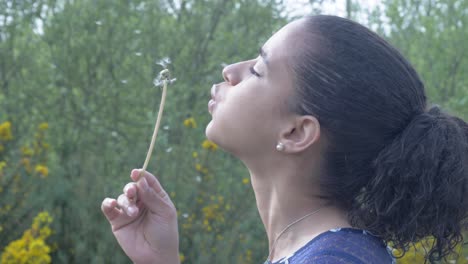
{"x":300,"y":134}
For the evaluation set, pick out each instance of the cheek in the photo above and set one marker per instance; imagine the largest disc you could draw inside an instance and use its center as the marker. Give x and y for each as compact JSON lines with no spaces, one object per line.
{"x":241,"y":123}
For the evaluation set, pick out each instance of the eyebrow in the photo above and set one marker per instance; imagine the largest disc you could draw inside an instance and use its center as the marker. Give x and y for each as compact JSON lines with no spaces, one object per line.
{"x":263,"y":54}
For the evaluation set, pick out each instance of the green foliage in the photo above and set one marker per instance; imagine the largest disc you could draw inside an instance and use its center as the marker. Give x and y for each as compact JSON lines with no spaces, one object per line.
{"x":86,"y":67}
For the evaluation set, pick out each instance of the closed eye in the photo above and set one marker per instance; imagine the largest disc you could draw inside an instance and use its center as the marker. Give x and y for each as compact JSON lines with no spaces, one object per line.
{"x":252,"y":70}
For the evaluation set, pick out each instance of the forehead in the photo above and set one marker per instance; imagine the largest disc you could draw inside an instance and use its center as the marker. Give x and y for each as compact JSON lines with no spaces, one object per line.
{"x":284,"y":44}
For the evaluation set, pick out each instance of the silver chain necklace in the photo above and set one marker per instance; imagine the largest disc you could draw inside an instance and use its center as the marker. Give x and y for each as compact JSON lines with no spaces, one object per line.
{"x":286,"y":228}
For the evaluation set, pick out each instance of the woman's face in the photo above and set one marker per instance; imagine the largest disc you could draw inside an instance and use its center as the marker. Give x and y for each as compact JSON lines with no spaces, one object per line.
{"x":250,"y":107}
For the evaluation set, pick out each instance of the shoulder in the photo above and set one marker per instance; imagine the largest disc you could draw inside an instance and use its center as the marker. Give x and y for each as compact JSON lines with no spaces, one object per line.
{"x":343,"y":246}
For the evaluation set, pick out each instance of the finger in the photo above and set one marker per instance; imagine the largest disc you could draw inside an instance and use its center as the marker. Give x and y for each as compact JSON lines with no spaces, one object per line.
{"x":109,"y":208}
{"x":116,"y":217}
{"x":128,"y":206}
{"x":130,"y":190}
{"x":151,"y":180}
{"x":157,"y":203}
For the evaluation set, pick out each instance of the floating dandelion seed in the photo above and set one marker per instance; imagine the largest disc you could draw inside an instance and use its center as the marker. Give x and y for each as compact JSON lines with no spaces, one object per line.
{"x":163,"y":79}
{"x":164,"y":62}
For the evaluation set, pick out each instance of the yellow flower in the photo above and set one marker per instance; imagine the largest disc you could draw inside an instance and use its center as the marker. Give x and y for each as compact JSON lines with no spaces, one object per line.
{"x":209,"y":145}
{"x":245,"y":180}
{"x":198,"y":167}
{"x":2,"y":165}
{"x":195,"y":154}
{"x":190,"y":122}
{"x":41,"y":169}
{"x":27,"y":151}
{"x":43,"y":126}
{"x":31,"y":247}
{"x":181,"y":257}
{"x":27,"y":164}
{"x":5,"y":131}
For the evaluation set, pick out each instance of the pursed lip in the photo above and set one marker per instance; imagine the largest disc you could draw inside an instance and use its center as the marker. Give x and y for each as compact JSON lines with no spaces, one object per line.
{"x":212,"y":102}
{"x":214,"y":89}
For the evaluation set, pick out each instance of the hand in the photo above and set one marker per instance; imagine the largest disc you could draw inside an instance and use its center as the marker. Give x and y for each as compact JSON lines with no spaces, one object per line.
{"x":144,"y":221}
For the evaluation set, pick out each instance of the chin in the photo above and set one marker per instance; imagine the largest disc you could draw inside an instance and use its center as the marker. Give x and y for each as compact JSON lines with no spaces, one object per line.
{"x":215,"y":136}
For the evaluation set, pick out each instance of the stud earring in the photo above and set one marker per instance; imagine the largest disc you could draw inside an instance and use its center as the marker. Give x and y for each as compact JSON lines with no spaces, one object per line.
{"x":280,"y":146}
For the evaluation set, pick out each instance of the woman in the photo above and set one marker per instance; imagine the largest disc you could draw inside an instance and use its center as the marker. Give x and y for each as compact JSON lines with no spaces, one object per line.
{"x":347,"y":157}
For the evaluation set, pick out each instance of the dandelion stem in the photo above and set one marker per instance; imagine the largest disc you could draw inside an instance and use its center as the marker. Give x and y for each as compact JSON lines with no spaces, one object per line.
{"x":156,"y":128}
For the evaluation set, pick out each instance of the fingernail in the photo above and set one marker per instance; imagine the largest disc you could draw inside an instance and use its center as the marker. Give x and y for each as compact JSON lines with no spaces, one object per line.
{"x":134,"y":173}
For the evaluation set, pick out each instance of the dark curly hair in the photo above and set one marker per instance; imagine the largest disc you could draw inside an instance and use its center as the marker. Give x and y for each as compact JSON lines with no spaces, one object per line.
{"x":399,"y":168}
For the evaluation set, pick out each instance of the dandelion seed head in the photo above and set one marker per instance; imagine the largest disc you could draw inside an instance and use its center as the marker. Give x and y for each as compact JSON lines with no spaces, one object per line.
{"x":137,"y":31}
{"x":138,"y":54}
{"x":166,"y":127}
{"x":157,"y":82}
{"x":124,"y":81}
{"x":98,"y":22}
{"x":165,"y":74}
{"x":164,"y":62}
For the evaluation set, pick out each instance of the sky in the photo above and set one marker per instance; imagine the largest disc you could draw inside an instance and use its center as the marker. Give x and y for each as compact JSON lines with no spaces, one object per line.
{"x":330,"y":7}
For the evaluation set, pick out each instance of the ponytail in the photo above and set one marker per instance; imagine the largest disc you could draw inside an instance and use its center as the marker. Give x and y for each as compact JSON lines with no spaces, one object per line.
{"x":420,"y":185}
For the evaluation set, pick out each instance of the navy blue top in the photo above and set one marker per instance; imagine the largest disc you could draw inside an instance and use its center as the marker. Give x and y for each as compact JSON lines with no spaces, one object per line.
{"x":341,"y":246}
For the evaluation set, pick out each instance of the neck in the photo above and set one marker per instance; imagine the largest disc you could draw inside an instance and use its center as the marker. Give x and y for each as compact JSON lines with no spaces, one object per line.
{"x":285,"y":193}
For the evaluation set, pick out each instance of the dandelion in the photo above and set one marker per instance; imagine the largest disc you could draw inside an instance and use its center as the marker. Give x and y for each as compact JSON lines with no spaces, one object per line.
{"x":190,"y":122}
{"x":137,"y":31}
{"x":5,"y":131}
{"x":245,"y":180}
{"x":99,"y":22}
{"x":138,"y":54}
{"x":164,"y":78}
{"x":195,"y":154}
{"x":181,"y":257}
{"x":124,"y":81}
{"x":207,"y":144}
{"x":42,"y":170}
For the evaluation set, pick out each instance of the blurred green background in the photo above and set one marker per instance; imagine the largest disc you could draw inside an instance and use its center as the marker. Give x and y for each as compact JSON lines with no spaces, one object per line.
{"x":78,"y":107}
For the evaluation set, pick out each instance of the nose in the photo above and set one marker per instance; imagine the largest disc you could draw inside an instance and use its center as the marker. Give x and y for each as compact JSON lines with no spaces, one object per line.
{"x":232,"y":73}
